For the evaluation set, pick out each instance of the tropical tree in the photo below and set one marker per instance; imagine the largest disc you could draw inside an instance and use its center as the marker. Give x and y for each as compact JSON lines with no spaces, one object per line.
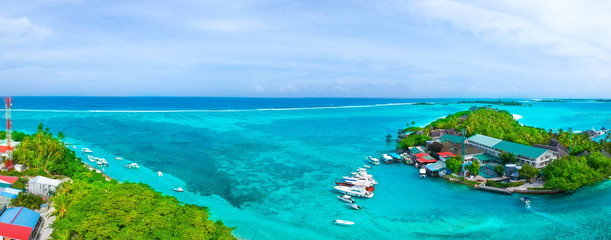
{"x":507,"y":157}
{"x":454,"y":164}
{"x":527,"y":171}
{"x":499,"y":169}
{"x":473,"y":167}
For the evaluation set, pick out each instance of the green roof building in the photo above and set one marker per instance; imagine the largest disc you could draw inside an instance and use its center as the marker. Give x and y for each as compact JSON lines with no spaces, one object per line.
{"x":537,"y":157}
{"x":452,"y":138}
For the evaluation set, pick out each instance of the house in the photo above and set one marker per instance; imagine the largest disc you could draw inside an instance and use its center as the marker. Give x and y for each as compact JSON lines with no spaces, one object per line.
{"x":19,"y":223}
{"x":7,"y":181}
{"x":443,"y":156}
{"x":456,"y":149}
{"x":452,"y":138}
{"x":420,"y":156}
{"x":438,"y":133}
{"x":537,"y":157}
{"x":557,"y":148}
{"x":42,"y":186}
{"x":437,"y":169}
{"x":7,"y":194}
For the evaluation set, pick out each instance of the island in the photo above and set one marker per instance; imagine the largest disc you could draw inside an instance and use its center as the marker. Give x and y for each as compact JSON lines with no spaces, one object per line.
{"x":490,"y":150}
{"x":86,"y":204}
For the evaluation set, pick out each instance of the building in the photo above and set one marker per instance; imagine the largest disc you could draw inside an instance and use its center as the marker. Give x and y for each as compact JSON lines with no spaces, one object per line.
{"x":443,"y":156}
{"x":554,"y":146}
{"x":420,"y":156}
{"x":452,"y":138}
{"x":7,"y":194}
{"x":437,"y":169}
{"x":19,"y":223}
{"x":7,"y":181}
{"x":456,"y":149}
{"x":537,"y":157}
{"x":438,"y":133}
{"x":42,"y":186}
{"x":4,"y":147}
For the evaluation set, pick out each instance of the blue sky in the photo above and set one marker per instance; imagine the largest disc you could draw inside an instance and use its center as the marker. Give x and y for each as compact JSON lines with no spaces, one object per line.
{"x":397,"y":49}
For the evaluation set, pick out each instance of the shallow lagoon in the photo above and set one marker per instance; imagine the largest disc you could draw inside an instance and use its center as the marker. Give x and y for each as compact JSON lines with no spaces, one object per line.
{"x":270,"y":172}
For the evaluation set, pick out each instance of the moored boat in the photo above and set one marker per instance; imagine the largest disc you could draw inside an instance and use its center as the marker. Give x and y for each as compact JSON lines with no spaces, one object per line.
{"x":118,"y":158}
{"x":387,"y":158}
{"x":422,"y":172}
{"x":355,"y":191}
{"x":343,"y":222}
{"x":178,"y":189}
{"x":359,"y":183}
{"x":159,"y":174}
{"x":346,"y":198}
{"x":353,"y":206}
{"x":86,"y":150}
{"x":367,"y":166}
{"x":373,"y":160}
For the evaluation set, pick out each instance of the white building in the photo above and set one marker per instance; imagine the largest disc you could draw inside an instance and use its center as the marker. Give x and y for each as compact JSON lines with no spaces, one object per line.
{"x":537,"y":157}
{"x":42,"y":186}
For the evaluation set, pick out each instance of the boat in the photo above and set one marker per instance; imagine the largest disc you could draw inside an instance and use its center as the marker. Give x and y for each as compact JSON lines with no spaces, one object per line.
{"x":118,"y":158}
{"x":86,"y":150}
{"x":73,"y":147}
{"x":387,"y":158}
{"x":422,"y":172}
{"x":132,"y":165}
{"x":362,"y":169}
{"x":159,"y":174}
{"x":178,"y":189}
{"x":373,"y":160}
{"x":353,"y":206}
{"x":525,"y":200}
{"x":367,"y":166}
{"x":343,"y":222}
{"x":359,"y":183}
{"x":355,"y":191}
{"x":346,"y":198}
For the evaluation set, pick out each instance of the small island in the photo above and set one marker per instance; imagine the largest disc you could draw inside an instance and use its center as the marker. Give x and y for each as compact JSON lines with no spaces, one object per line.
{"x":490,"y":150}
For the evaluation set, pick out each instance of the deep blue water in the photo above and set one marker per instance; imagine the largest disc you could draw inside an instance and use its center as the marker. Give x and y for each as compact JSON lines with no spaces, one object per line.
{"x":267,"y":166}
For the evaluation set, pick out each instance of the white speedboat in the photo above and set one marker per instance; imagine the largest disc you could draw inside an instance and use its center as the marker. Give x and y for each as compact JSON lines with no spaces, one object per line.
{"x":73,"y":147}
{"x":353,"y":206}
{"x":354,"y":191}
{"x":118,"y":158}
{"x":343,"y":222}
{"x":86,"y":150}
{"x":367,"y":166}
{"x":362,"y":170}
{"x":346,"y":198}
{"x":132,"y":165}
{"x":373,"y":160}
{"x":178,"y":189}
{"x":159,"y":174}
{"x":422,"y":172}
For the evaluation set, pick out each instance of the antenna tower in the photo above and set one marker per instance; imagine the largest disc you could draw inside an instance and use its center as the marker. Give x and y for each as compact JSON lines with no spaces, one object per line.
{"x":8,"y":163}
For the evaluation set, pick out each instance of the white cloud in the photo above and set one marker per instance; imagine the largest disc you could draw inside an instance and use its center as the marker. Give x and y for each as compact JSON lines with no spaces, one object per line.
{"x":19,"y":30}
{"x":288,"y":88}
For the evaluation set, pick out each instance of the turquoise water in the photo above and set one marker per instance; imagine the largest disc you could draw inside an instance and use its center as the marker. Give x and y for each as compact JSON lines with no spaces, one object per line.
{"x":270,"y":172}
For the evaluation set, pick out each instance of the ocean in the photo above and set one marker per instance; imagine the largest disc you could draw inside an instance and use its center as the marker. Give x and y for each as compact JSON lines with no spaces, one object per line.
{"x":267,"y":165}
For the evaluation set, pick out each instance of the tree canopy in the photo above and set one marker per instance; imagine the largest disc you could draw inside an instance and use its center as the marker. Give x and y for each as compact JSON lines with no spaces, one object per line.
{"x":571,"y":172}
{"x":454,"y":164}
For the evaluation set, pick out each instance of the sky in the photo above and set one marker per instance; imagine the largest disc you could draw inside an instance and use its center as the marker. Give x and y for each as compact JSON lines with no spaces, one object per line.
{"x":313,"y":48}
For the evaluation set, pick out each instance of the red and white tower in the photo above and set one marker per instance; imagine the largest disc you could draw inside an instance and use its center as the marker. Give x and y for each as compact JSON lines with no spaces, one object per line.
{"x":8,"y":163}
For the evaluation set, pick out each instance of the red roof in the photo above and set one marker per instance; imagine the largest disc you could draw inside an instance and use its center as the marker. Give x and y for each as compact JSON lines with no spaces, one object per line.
{"x":421,"y":154}
{"x":8,"y":179}
{"x":15,"y":231}
{"x":3,"y":148}
{"x":446,"y":154}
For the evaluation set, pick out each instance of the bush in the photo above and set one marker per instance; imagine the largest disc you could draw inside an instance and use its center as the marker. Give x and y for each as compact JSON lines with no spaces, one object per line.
{"x":27,"y":200}
{"x":503,"y":185}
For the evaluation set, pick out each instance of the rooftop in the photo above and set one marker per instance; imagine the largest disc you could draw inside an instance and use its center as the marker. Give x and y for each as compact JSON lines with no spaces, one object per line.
{"x":484,"y":140}
{"x":452,"y":138}
{"x":519,"y":149}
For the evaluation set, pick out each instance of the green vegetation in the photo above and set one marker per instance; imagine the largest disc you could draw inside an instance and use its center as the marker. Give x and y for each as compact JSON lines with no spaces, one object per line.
{"x":15,"y":135}
{"x":413,"y":140}
{"x":503,"y":185}
{"x":27,"y":200}
{"x":20,"y":183}
{"x":499,"y":169}
{"x":454,"y":164}
{"x":571,"y":172}
{"x":529,"y":172}
{"x":507,"y":157}
{"x":93,"y":208}
{"x":473,"y":167}
{"x":90,"y":207}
